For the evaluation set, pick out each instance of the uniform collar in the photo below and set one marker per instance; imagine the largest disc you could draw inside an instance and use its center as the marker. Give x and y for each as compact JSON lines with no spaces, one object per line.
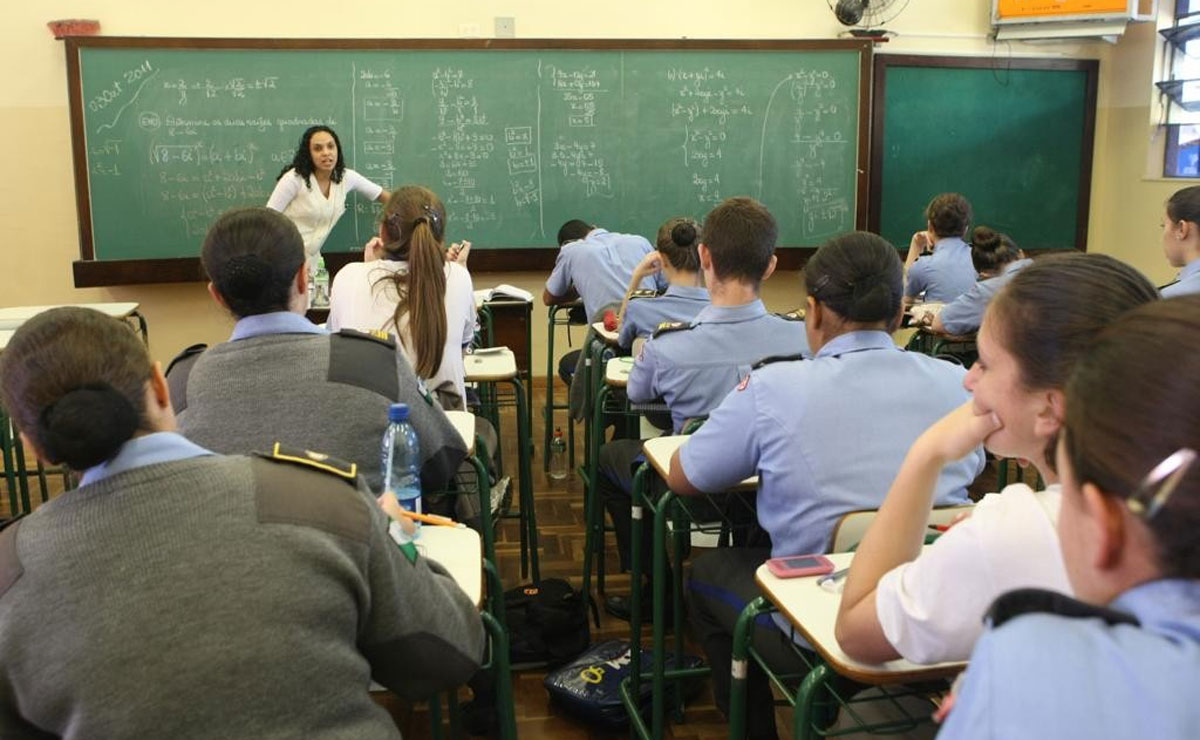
{"x":856,"y":341}
{"x":694,"y":292}
{"x":949,"y":243}
{"x":1162,"y":604}
{"x":1016,"y":265}
{"x":278,"y":322}
{"x":149,"y":449}
{"x":731,"y":314}
{"x":1190,"y":269}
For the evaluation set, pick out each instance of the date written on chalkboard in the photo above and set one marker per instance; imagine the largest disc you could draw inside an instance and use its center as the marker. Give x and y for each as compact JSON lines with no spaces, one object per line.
{"x":112,"y":93}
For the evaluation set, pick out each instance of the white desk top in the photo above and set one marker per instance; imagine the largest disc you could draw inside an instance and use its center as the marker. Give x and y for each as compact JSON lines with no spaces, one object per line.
{"x":813,"y":611}
{"x":609,"y":337}
{"x":499,"y":295}
{"x":458,"y":550}
{"x":658,"y":454}
{"x":464,"y":424}
{"x":12,"y":317}
{"x":491,"y":365}
{"x":616,"y":372}
{"x":5,"y":335}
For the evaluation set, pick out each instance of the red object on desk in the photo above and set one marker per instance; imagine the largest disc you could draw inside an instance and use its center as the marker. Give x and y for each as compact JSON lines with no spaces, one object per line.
{"x":610,"y":320}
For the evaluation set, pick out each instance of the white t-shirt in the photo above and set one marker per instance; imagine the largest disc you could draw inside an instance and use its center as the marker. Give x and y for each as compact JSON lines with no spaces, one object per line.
{"x":360,"y":300}
{"x":313,"y":213}
{"x":931,"y":609}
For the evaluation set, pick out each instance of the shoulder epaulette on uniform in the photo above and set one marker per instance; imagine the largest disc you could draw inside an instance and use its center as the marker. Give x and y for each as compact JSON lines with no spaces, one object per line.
{"x":347,"y":471}
{"x":1039,"y":601}
{"x":178,"y":373}
{"x":776,"y":358}
{"x":375,"y":335}
{"x":667,"y":327}
{"x":185,"y":355}
{"x":797,"y":315}
{"x":644,"y":293}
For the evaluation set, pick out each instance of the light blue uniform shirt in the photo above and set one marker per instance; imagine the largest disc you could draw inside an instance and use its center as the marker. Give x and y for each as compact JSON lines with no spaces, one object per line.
{"x":150,"y":449}
{"x":693,"y":369}
{"x":826,"y":436}
{"x":279,"y":322}
{"x":679,"y":303}
{"x":599,"y":267}
{"x":944,"y":275}
{"x":1047,"y":676}
{"x":1188,"y":282}
{"x":964,"y":314}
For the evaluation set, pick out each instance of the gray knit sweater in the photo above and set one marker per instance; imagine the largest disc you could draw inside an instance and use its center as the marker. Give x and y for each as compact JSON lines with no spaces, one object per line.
{"x":219,"y":597}
{"x":326,"y":393}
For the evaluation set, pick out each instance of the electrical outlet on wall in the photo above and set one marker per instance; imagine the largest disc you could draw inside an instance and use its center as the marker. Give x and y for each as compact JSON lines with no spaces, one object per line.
{"x":506,"y":27}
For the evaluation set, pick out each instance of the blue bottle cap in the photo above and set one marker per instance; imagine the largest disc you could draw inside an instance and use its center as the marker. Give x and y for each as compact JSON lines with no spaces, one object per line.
{"x":398,"y":412}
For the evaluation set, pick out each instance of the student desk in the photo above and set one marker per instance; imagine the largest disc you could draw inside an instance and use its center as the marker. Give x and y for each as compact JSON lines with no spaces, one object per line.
{"x":501,"y":367}
{"x":13,"y":316}
{"x":507,"y":321}
{"x":457,"y":549}
{"x":557,"y":315}
{"x":812,"y":611}
{"x":658,"y":452}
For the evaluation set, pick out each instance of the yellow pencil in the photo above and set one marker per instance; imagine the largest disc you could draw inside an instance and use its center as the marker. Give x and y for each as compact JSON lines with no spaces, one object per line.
{"x":441,"y":521}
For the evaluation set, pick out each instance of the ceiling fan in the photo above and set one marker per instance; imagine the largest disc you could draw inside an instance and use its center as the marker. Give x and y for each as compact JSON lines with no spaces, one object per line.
{"x":866,"y":17}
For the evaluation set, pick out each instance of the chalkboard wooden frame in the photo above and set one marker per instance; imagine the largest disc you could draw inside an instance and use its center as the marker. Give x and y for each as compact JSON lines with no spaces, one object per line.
{"x":89,"y":272}
{"x":1091,"y":67}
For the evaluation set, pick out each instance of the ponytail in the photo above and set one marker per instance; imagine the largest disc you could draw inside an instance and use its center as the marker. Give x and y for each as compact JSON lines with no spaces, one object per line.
{"x":414,"y":222}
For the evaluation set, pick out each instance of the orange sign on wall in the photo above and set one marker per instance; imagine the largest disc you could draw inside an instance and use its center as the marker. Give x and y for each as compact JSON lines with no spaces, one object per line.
{"x":1051,"y":8}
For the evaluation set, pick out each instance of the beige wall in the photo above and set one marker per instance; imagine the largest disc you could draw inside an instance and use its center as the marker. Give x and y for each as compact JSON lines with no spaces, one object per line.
{"x":40,"y":232}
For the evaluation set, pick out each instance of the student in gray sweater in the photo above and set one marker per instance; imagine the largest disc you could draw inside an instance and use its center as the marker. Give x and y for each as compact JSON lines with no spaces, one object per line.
{"x":282,"y":378}
{"x":181,"y":594}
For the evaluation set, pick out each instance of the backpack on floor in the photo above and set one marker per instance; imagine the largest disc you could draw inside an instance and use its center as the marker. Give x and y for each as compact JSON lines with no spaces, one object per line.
{"x":547,"y":623}
{"x":590,"y":686}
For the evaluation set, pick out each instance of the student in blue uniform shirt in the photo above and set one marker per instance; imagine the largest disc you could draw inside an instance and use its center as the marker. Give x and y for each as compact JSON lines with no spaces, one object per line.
{"x":996,"y":259}
{"x":1124,"y":661}
{"x":677,"y":259}
{"x":693,"y":366}
{"x":825,"y":436}
{"x":939,"y":261}
{"x":593,"y":265}
{"x":1181,"y":241}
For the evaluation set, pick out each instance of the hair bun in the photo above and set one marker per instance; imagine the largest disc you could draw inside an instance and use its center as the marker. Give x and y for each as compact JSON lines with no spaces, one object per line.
{"x":87,"y":426}
{"x":871,"y":299}
{"x":986,"y":238}
{"x":684,"y":234}
{"x":248,"y":275}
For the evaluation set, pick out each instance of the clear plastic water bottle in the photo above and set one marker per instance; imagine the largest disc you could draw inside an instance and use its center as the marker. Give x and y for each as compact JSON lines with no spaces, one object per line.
{"x":320,"y":285}
{"x":558,"y":455}
{"x":401,"y":457}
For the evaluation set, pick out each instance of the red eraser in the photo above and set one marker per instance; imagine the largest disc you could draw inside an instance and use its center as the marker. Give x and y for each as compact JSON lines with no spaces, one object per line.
{"x":610,"y":320}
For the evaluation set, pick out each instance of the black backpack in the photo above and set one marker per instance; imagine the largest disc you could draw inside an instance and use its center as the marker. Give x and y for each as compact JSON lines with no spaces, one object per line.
{"x":547,"y":623}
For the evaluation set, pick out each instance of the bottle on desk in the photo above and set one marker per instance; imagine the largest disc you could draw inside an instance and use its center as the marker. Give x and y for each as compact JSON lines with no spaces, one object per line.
{"x":558,"y":455}
{"x":401,"y":457}
{"x":318,"y":291}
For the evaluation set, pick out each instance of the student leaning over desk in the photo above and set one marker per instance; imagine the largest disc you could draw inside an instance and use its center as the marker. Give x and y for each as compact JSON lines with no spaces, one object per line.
{"x":825,"y":436}
{"x":182,"y":594}
{"x":315,"y":211}
{"x":925,"y":605}
{"x":1181,"y":241}
{"x":1123,"y":662}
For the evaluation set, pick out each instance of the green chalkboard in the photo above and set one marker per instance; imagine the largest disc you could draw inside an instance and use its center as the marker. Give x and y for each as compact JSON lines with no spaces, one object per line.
{"x":516,"y":140}
{"x":1013,"y":135}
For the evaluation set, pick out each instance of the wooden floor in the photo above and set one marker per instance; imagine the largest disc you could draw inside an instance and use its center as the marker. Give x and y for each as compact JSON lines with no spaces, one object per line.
{"x":560,"y":523}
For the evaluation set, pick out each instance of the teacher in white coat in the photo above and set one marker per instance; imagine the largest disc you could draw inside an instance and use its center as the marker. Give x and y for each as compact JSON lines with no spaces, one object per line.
{"x":312,"y":190}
